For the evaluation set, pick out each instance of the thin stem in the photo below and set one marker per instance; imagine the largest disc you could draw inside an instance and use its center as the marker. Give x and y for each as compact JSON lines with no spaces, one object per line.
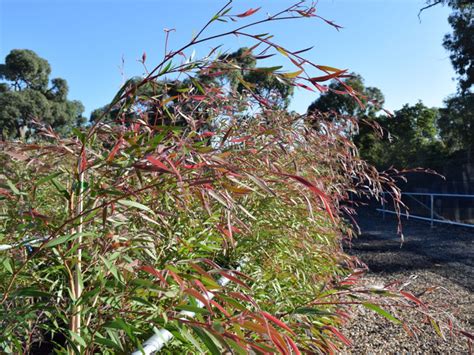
{"x":76,"y":320}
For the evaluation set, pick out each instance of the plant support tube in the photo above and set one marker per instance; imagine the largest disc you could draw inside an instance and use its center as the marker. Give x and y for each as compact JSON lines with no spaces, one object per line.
{"x":157,"y":341}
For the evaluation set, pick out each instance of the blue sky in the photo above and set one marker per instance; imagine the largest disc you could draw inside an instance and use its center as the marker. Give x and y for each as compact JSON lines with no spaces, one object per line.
{"x":85,"y":41}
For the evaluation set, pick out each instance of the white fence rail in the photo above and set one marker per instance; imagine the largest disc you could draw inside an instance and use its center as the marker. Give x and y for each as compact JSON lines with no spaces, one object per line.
{"x":434,"y":217}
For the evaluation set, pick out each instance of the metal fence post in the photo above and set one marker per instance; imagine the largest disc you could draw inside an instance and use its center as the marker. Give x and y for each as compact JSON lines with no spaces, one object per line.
{"x":432,"y":209}
{"x":383,"y":205}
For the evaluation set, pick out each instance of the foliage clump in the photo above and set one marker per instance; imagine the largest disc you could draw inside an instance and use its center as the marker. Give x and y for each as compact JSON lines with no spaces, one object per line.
{"x":131,"y":225}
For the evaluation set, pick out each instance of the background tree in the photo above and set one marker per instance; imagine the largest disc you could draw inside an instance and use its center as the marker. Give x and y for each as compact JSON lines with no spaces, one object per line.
{"x":459,"y":42}
{"x":410,"y":138}
{"x":456,"y":122}
{"x":346,"y":105}
{"x":25,"y":95}
{"x":231,"y":72}
{"x":261,"y":80}
{"x":334,"y":106}
{"x":415,"y":138}
{"x":457,"y":119}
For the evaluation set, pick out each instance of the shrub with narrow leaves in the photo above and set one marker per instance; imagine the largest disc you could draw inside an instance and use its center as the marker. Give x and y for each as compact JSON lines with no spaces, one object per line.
{"x":112,"y":234}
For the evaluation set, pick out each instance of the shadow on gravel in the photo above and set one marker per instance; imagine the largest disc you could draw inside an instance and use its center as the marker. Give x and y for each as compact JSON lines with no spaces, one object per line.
{"x":445,"y":250}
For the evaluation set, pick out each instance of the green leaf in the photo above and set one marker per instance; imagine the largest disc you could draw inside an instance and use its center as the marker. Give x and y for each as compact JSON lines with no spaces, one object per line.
{"x":47,"y":178}
{"x":143,"y":301}
{"x":65,"y":238}
{"x":236,"y":347}
{"x":184,"y":333}
{"x":194,"y":309}
{"x":292,"y":75}
{"x":382,"y":312}
{"x":107,"y":342}
{"x":111,"y":267}
{"x":207,"y":340}
{"x":7,"y":265}
{"x":121,"y":91}
{"x":166,"y":68}
{"x":135,"y":204}
{"x":269,"y":69}
{"x":313,"y":311}
{"x":31,"y":292}
{"x":78,"y":339}
{"x":198,"y":85}
{"x":79,"y":134}
{"x":436,"y":327}
{"x":88,"y":295}
{"x":12,"y":187}
{"x":60,"y":188}
{"x":153,"y":143}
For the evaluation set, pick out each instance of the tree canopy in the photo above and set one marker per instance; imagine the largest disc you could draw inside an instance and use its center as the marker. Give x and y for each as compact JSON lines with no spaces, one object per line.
{"x":26,"y":94}
{"x":222,"y":75}
{"x":409,"y":138}
{"x":460,"y":42}
{"x":370,"y":99}
{"x":456,"y":121}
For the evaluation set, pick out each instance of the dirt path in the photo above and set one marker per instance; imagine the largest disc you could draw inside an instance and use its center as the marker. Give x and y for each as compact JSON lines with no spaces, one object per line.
{"x":442,"y":256}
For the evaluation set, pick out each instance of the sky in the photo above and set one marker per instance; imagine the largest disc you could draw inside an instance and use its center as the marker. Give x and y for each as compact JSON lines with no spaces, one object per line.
{"x":95,"y":44}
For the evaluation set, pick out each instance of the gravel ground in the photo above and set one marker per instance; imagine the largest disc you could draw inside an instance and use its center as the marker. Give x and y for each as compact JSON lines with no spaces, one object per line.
{"x":441,"y":257}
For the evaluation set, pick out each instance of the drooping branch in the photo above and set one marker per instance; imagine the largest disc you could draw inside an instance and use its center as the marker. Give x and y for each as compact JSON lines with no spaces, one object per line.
{"x":437,"y":2}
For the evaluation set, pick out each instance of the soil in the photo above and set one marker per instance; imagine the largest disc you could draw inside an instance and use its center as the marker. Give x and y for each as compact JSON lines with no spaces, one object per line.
{"x":440,"y":258}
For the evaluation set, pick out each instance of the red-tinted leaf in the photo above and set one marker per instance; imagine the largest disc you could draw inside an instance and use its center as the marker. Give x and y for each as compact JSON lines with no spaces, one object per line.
{"x":158,"y":164}
{"x":303,"y":50}
{"x":304,"y":86}
{"x":293,"y":346}
{"x":35,"y":214}
{"x":264,"y":56}
{"x":233,"y":278}
{"x":194,"y":166}
{"x":336,"y":26}
{"x":469,"y":335}
{"x":242,"y":297}
{"x":321,"y":88}
{"x":115,"y":149}
{"x":413,"y":298}
{"x":210,"y":263}
{"x":215,"y":73}
{"x":6,"y":193}
{"x":201,"y":271}
{"x":249,"y":12}
{"x":220,"y":308}
{"x":341,"y":336}
{"x":226,"y":135}
{"x":208,"y":134}
{"x":199,"y":97}
{"x":83,"y":164}
{"x":277,"y":322}
{"x":255,"y":327}
{"x":173,"y":167}
{"x":240,"y":140}
{"x":178,"y":279}
{"x":198,"y":296}
{"x":316,"y":191}
{"x":153,"y":272}
{"x":327,"y":77}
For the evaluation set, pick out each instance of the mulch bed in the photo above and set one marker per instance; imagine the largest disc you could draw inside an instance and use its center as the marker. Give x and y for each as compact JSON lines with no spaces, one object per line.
{"x":441,"y":257}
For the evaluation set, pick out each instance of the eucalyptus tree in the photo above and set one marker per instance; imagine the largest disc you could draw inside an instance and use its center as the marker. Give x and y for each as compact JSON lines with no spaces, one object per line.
{"x":27,"y":94}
